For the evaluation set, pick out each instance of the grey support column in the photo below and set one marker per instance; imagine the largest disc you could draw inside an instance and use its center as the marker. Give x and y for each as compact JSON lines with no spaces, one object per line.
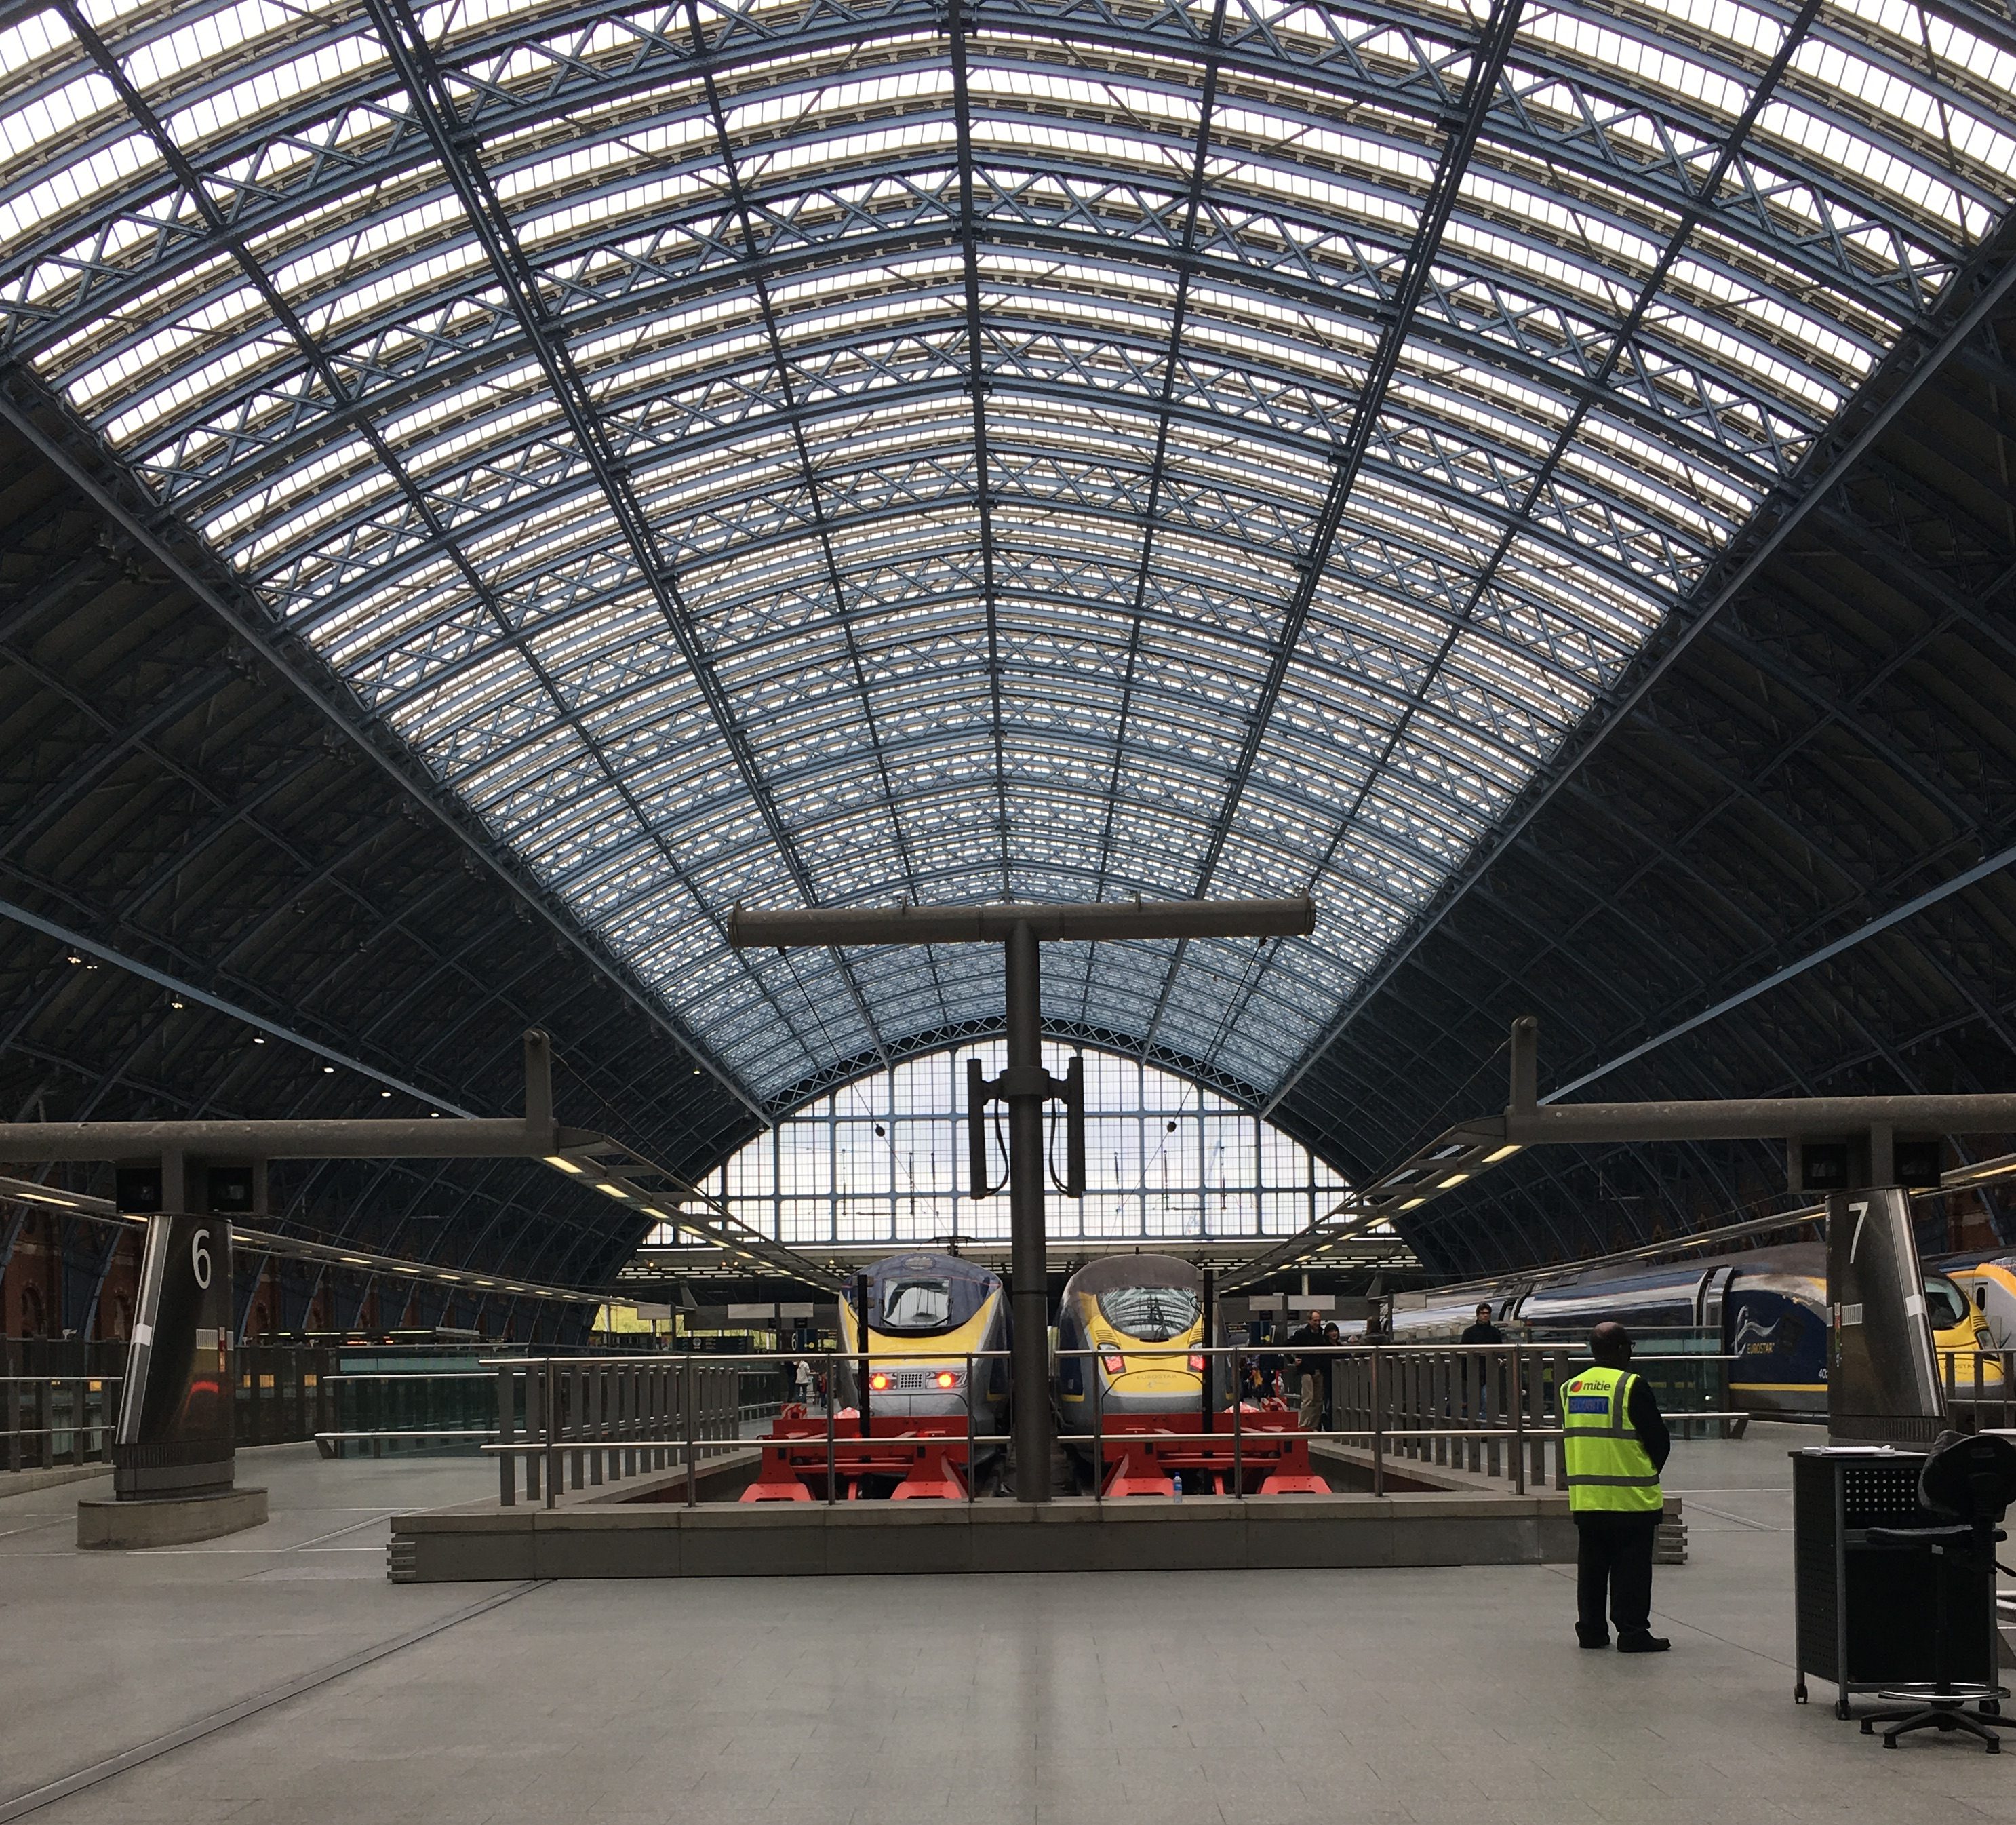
{"x":1025,"y":1088}
{"x":174,"y":1435}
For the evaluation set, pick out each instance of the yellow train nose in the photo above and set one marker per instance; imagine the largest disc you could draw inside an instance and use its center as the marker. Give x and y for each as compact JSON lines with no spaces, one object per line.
{"x":1152,"y":1382}
{"x":1965,"y":1365}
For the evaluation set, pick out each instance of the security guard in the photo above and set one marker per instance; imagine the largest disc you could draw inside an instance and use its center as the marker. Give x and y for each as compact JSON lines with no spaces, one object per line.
{"x":1616,"y":1444}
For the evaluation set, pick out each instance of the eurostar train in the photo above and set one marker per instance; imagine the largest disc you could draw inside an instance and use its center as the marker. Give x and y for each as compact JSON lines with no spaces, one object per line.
{"x":1770,"y":1303}
{"x":1119,"y":1308}
{"x":925,"y":1313}
{"x":1989,"y":1281}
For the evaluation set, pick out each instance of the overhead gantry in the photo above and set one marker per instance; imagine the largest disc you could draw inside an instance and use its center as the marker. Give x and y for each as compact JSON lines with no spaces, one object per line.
{"x":1024,"y":1086}
{"x":190,"y":1179}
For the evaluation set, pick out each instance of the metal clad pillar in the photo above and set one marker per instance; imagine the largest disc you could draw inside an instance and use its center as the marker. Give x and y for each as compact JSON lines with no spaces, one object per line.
{"x":1029,"y":1265}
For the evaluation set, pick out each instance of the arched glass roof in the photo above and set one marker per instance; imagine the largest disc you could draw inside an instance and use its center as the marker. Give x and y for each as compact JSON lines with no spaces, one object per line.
{"x":1045,"y":449}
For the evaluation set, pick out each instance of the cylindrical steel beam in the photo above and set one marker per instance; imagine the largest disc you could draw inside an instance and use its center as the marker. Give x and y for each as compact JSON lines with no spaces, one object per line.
{"x":1102,"y":923}
{"x":1760,"y":1118}
{"x":395,"y":1138}
{"x":1028,"y":1255}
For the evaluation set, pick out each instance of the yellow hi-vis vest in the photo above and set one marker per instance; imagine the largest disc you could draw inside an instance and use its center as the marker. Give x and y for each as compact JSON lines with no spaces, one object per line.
{"x":1609,"y":1471}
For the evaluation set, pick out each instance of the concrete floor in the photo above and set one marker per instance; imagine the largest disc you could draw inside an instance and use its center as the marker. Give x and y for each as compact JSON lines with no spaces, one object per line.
{"x":1264,"y":1698}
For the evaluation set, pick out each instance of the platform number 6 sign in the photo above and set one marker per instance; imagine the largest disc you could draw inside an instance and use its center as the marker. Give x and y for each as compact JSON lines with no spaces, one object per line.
{"x":199,"y":1258}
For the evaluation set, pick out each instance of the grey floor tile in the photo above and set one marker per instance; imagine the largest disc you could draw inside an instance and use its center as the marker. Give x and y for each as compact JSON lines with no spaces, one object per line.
{"x":1380,"y":1697}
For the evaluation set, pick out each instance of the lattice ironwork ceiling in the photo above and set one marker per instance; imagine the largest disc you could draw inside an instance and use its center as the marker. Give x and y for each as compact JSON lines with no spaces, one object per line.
{"x":1037,"y":448}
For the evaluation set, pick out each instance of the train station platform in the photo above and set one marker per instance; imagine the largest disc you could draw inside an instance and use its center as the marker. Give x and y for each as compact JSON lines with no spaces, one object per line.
{"x":278,"y":1677}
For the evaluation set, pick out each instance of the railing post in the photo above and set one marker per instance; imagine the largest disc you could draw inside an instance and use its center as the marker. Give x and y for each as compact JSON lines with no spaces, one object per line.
{"x":972,"y":1463}
{"x":689,"y":1399}
{"x":507,"y":1460}
{"x":1098,"y":1430}
{"x":626,"y":1390}
{"x":1518,"y":1404}
{"x":1238,"y":1426}
{"x":829,"y":1426}
{"x":1378,"y":1428}
{"x":534,"y":1435}
{"x":551,"y":1394}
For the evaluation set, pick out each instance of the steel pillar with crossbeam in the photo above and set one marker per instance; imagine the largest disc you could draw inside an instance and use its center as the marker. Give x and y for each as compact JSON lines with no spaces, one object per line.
{"x":202,"y":1174}
{"x":1025,"y":1087}
{"x":1863,"y":1132}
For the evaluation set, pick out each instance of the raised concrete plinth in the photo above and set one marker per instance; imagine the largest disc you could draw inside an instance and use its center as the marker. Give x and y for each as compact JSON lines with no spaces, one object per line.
{"x":168,"y":1521}
{"x":771,"y":1540}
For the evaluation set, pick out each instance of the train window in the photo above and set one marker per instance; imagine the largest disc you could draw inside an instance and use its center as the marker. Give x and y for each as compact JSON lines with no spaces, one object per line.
{"x":1944,"y":1303}
{"x":1153,"y":1314}
{"x":913,"y":1305}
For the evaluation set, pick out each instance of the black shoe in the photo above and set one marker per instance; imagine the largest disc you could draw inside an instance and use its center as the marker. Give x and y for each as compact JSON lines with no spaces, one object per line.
{"x":1646,"y":1643}
{"x":1602,"y":1641}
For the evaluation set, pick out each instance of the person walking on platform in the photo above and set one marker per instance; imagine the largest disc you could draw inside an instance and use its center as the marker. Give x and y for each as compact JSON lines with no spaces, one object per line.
{"x":1615,"y":1443}
{"x":802,"y":1374}
{"x":1310,"y":1368}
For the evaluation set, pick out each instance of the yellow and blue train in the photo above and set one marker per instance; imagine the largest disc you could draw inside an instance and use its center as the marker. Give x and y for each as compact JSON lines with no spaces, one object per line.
{"x":1769,"y":1305}
{"x":1989,"y":1281}
{"x":1130,"y":1335}
{"x":928,"y":1313}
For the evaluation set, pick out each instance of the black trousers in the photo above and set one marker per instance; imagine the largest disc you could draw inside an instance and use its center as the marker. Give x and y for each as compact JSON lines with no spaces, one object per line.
{"x":1614,"y":1562}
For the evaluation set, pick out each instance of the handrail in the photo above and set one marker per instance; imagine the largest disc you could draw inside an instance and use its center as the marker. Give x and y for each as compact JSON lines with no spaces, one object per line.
{"x":73,"y":1415}
{"x":606,"y":1417}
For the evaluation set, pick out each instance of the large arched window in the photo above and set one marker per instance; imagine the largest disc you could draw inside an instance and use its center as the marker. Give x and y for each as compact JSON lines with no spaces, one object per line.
{"x":883,"y":1159}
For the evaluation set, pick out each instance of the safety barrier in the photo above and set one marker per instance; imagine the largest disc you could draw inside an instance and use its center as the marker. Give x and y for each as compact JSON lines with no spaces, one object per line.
{"x":1686,"y":1364}
{"x":1982,"y":1382}
{"x":590,"y":1420}
{"x":52,"y":1419}
{"x":1488,"y":1410}
{"x":615,"y":1419}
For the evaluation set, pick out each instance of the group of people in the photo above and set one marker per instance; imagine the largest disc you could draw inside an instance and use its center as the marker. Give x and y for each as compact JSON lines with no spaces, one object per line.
{"x":1312,"y":1368}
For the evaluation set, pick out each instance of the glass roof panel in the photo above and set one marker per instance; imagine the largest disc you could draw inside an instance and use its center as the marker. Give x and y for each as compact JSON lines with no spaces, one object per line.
{"x":749,"y":451}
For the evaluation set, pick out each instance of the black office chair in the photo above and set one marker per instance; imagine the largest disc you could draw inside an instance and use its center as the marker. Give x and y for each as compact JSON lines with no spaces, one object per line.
{"x":1967,"y":1485}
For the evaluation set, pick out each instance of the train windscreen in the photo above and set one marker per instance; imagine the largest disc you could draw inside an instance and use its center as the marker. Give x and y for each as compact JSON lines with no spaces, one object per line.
{"x":916,"y":1304}
{"x":1946,"y":1304}
{"x":1153,"y":1314}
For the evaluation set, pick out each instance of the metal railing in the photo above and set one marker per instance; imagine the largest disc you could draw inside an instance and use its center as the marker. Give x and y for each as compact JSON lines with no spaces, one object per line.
{"x":1983,"y":1381}
{"x":1687,"y":1365}
{"x":373,"y":1405}
{"x":1484,"y":1409}
{"x":600,"y":1421}
{"x":596,"y":1420}
{"x":52,"y":1419}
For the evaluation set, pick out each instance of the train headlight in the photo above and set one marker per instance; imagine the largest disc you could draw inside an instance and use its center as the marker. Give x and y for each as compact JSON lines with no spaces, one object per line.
{"x":1115,"y":1365}
{"x":880,"y":1380}
{"x":945,"y":1378}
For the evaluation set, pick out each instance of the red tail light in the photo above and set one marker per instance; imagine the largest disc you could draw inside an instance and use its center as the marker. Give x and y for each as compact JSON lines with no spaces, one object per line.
{"x":1115,"y":1365}
{"x":1197,"y":1365}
